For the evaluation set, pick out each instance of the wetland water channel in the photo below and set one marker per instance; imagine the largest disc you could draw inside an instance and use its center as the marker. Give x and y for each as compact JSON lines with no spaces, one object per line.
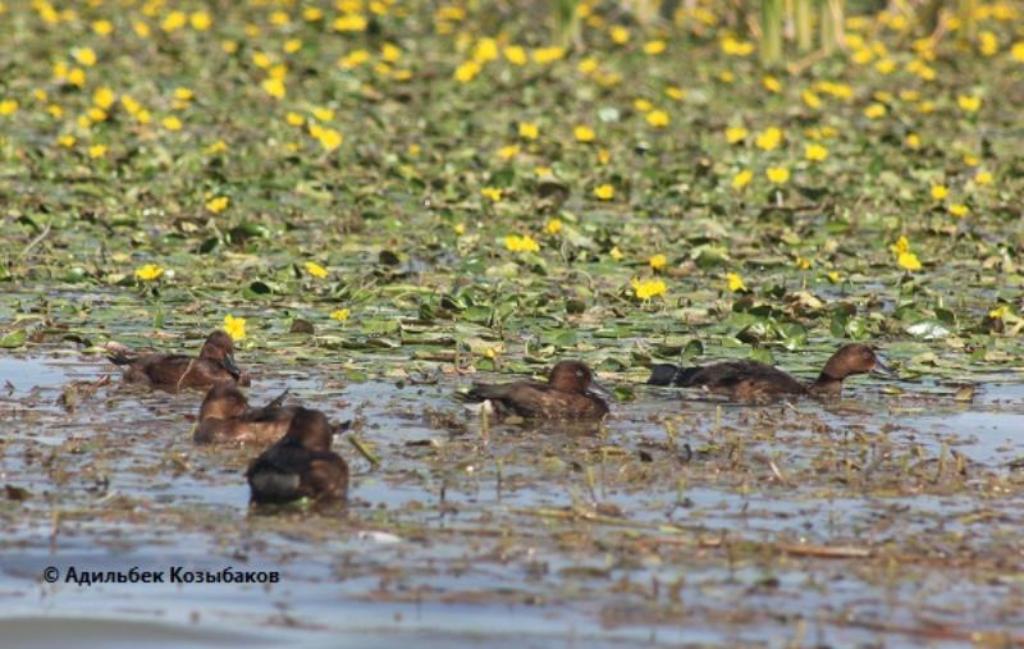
{"x":891,"y":518}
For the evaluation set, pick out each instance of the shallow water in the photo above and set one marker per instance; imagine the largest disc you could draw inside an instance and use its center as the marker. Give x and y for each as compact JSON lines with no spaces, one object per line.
{"x":675,"y":523}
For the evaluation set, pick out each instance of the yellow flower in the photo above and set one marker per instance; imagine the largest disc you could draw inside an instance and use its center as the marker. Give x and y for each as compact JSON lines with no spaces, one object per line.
{"x":742,"y":179}
{"x":734,"y":47}
{"x":543,"y":171}
{"x":778,"y":175}
{"x":734,"y":281}
{"x":220,"y":146}
{"x":467,"y":71}
{"x":459,"y":228}
{"x":234,"y":327}
{"x":493,"y":193}
{"x":97,"y":150}
{"x":141,"y":29}
{"x":969,"y":103}
{"x":390,"y":52}
{"x":295,"y":119}
{"x":584,"y":134}
{"x":913,"y":141}
{"x":875,"y":111}
{"x":588,"y":65}
{"x":769,"y":139}
{"x":959,"y":210}
{"x":675,"y":92}
{"x":84,"y":55}
{"x":200,"y":21}
{"x":642,"y":105}
{"x":292,"y":45}
{"x":323,"y":114}
{"x":67,"y":140}
{"x":803,"y":263}
{"x":815,"y":152}
{"x":901,"y":246}
{"x":218,"y":204}
{"x":350,"y":23}
{"x":615,"y":253}
{"x":515,"y":55}
{"x":735,"y":134}
{"x":619,"y":34}
{"x":544,"y":55}
{"x":771,"y":84}
{"x":554,"y":226}
{"x":648,"y":288}
{"x":102,"y":27}
{"x":174,"y":21}
{"x":8,"y":107}
{"x":274,"y":87}
{"x":315,"y":269}
{"x":657,"y":262}
{"x":149,"y":272}
{"x":508,"y":152}
{"x":658,"y":118}
{"x":811,"y":99}
{"x":939,"y":192}
{"x":354,"y":59}
{"x":184,"y":94}
{"x":171,"y":123}
{"x":485,"y":50}
{"x":604,"y":156}
{"x":76,"y":77}
{"x":908,"y":261}
{"x":329,"y":139}
{"x":341,"y":315}
{"x":983,"y":177}
{"x":312,"y":14}
{"x":524,"y":243}
{"x":652,"y":48}
{"x":604,"y":192}
{"x":1018,"y":51}
{"x":528,"y":130}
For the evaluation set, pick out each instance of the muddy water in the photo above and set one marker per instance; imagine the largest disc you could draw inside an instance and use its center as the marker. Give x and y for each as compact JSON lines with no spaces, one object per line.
{"x":892,"y":517}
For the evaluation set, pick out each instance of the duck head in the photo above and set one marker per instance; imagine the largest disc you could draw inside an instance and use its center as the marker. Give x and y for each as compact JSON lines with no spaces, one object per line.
{"x":574,"y":377}
{"x":223,"y":401}
{"x":310,"y":430}
{"x":855,"y":358}
{"x":220,"y":348}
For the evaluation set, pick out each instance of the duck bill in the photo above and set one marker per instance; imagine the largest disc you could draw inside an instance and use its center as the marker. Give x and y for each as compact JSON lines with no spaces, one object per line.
{"x":881,"y":368}
{"x":599,"y":390}
{"x":229,"y":364}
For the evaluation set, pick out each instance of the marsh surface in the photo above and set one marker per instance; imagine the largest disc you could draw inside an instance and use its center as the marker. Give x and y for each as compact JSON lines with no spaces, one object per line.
{"x":883,"y":518}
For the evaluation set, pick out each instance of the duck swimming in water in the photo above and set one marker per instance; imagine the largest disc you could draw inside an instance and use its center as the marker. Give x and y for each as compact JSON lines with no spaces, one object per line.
{"x":225,"y":416}
{"x":568,"y":394}
{"x":215,"y":364}
{"x":747,"y":380}
{"x":300,"y":465}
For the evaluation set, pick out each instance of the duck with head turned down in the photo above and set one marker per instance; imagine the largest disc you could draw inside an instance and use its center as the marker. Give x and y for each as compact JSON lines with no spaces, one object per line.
{"x":568,"y":394}
{"x":752,"y":381}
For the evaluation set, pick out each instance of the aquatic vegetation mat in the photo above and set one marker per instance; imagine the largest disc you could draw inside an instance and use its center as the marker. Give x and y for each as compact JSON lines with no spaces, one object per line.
{"x":384,"y":201}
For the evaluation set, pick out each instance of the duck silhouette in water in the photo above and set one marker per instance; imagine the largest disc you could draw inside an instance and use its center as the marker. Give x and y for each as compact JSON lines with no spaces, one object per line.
{"x":300,"y":465}
{"x":568,"y":394}
{"x":215,"y":364}
{"x":747,"y":380}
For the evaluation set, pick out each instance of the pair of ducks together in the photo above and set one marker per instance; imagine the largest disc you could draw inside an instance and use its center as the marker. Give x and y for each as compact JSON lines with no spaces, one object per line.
{"x":299,"y":464}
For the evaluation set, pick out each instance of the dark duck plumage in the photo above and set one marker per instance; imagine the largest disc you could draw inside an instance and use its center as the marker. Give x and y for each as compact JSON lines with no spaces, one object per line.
{"x":226,"y":416}
{"x":300,"y":465}
{"x":568,"y":394}
{"x":215,"y":364}
{"x":750,"y":380}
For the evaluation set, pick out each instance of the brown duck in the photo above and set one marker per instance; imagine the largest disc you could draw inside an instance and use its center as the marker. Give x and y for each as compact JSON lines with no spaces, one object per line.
{"x":225,"y":416}
{"x":215,"y":364}
{"x":300,"y":465}
{"x":751,"y":381}
{"x":568,"y":394}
